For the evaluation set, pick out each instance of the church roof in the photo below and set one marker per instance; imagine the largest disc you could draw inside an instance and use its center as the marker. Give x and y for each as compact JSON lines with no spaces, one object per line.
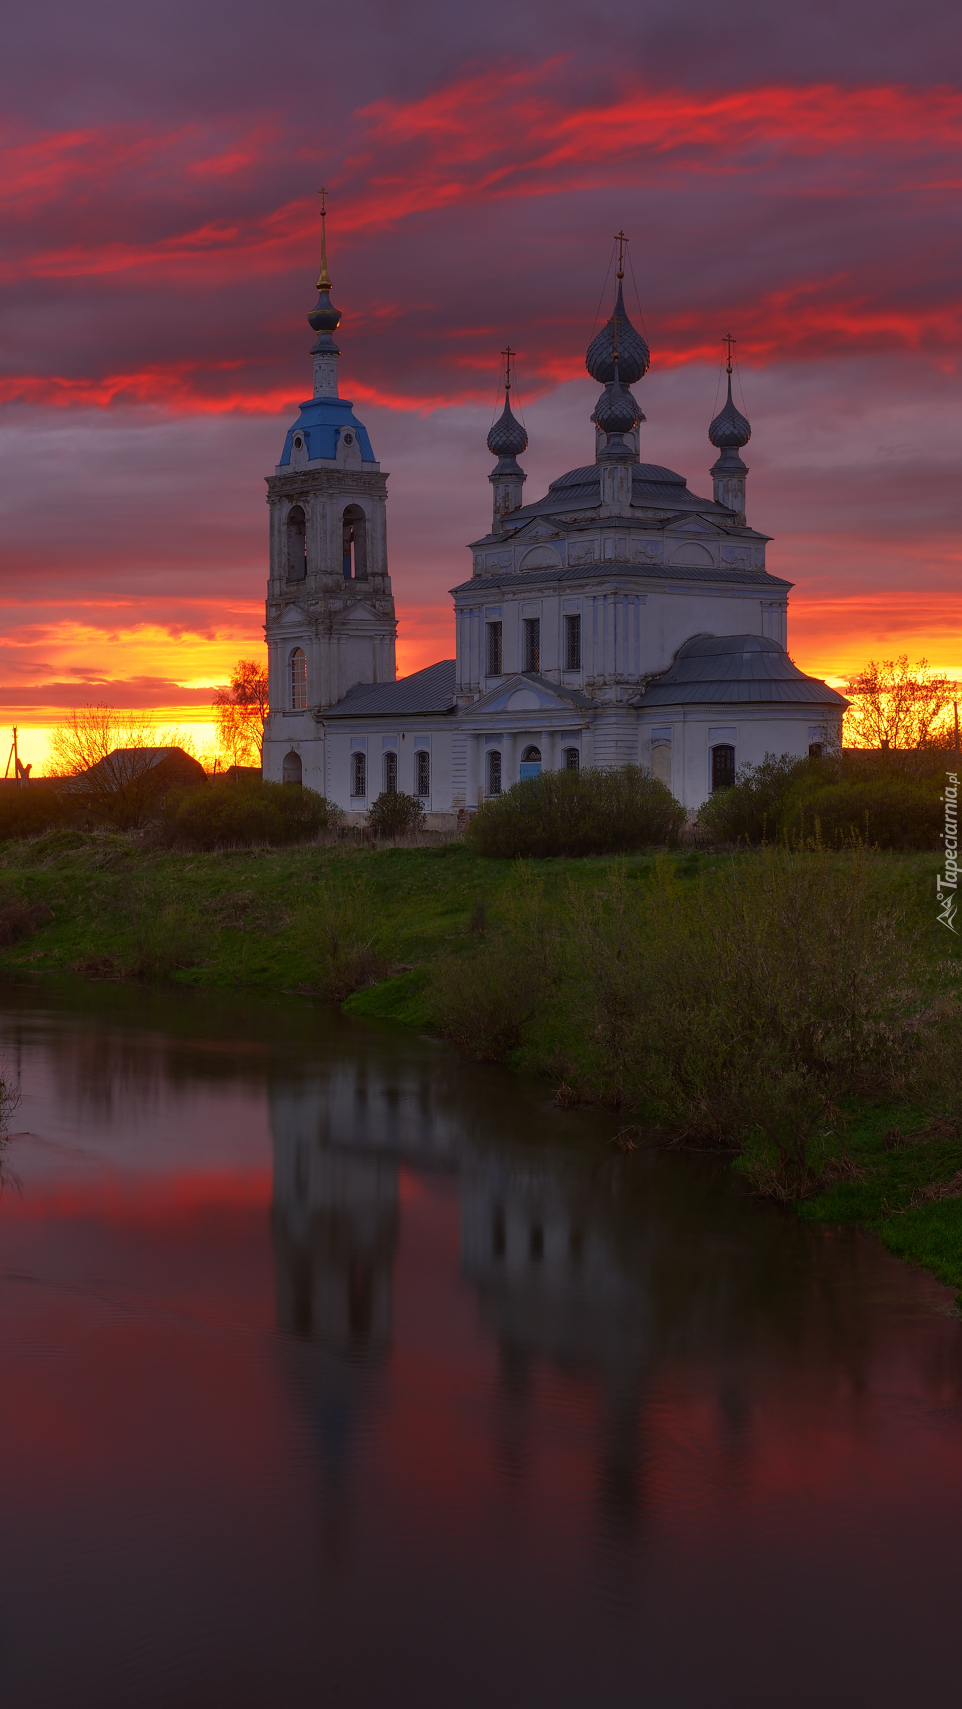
{"x":615,"y":569}
{"x":733,"y":669}
{"x":652,"y":488}
{"x":430,"y":690}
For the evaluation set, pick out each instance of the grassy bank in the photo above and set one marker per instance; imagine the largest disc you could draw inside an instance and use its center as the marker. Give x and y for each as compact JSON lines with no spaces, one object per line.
{"x":608,"y":977}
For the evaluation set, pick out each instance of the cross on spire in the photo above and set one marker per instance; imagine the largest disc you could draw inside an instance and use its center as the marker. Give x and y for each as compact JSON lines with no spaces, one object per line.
{"x":507,"y":353}
{"x":622,"y":243}
{"x":729,"y":341}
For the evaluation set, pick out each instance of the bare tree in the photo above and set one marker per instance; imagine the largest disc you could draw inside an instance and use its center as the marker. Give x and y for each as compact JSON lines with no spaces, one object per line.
{"x":895,"y":705}
{"x":118,"y":761}
{"x":240,"y":711}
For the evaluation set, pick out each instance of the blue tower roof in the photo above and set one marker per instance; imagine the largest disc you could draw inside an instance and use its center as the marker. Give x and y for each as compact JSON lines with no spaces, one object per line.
{"x":322,"y":421}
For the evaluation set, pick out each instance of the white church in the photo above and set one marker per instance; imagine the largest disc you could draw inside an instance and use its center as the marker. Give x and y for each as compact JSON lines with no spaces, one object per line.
{"x":620,"y":619}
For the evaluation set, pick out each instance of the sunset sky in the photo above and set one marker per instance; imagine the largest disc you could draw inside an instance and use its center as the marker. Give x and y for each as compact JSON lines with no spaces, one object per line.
{"x":789,"y":173}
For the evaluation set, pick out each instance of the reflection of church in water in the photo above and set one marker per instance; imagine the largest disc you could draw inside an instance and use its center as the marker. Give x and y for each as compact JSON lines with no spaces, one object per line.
{"x":549,"y":1283}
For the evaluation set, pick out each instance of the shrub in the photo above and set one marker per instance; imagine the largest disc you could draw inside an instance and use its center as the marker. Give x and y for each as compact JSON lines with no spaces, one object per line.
{"x":740,"y":1012}
{"x":223,"y":815}
{"x":577,"y":813}
{"x":483,"y":1004}
{"x":20,"y":920}
{"x":395,"y":815}
{"x":751,"y":811}
{"x":31,"y":810}
{"x":887,"y":812}
{"x":889,"y":801}
{"x":485,"y":1001}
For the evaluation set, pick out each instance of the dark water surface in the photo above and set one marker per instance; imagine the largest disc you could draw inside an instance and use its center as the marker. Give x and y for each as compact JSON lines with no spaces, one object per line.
{"x":338,"y":1373}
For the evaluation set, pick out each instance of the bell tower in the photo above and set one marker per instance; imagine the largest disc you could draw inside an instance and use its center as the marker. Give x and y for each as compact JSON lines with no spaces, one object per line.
{"x":330,"y":609}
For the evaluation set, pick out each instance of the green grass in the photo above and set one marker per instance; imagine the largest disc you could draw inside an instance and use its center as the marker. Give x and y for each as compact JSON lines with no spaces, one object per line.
{"x":901,"y":1154}
{"x":255,"y":918}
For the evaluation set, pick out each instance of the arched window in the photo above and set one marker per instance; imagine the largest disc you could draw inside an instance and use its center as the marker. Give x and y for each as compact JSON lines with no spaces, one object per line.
{"x":390,"y":774}
{"x":292,"y":771}
{"x":355,"y":542}
{"x":422,"y":773}
{"x":661,"y":762}
{"x":723,"y":767}
{"x":298,"y":680}
{"x":571,"y":759}
{"x":358,"y":774}
{"x":296,"y":544}
{"x":493,"y":779}
{"x":530,"y":763}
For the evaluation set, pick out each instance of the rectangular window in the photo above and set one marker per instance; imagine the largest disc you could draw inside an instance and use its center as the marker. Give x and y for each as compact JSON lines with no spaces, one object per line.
{"x":571,"y":759}
{"x":494,"y":648}
{"x":532,"y":643}
{"x":298,"y":680}
{"x":390,"y":773}
{"x":723,"y":767}
{"x":494,"y":774}
{"x":422,"y":773}
{"x":359,"y":774}
{"x":573,"y":643}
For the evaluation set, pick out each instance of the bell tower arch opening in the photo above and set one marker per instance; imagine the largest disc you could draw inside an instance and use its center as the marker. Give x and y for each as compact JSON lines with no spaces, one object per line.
{"x":296,"y":544}
{"x":354,"y":547}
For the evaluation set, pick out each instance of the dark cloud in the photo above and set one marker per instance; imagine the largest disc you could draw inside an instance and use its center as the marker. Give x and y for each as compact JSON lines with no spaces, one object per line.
{"x":789,"y":173}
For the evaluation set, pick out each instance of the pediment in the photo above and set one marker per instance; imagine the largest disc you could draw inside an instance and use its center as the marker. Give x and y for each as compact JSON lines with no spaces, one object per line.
{"x":538,"y":531}
{"x":522,"y":694}
{"x":292,"y":617}
{"x":693,"y":525}
{"x":360,"y":612}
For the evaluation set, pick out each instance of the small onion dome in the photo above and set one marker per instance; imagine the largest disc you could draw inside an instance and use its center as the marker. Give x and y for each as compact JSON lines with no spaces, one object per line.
{"x":616,"y":410}
{"x":507,"y":437}
{"x":729,"y":428}
{"x":634,"y":357}
{"x":324,"y":317}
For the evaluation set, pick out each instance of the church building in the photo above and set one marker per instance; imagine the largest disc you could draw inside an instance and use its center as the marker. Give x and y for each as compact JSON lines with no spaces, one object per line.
{"x":620,"y":619}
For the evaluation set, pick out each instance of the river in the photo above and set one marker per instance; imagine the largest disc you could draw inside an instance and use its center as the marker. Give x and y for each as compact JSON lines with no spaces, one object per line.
{"x":338,"y":1372}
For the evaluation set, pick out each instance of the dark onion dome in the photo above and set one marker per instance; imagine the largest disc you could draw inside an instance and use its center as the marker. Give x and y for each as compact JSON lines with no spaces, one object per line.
{"x":324,"y":317}
{"x":616,"y":410}
{"x":507,"y":437}
{"x":730,"y":427}
{"x":634,"y":357}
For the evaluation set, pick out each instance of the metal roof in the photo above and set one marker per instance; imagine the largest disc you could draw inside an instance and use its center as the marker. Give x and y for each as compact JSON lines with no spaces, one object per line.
{"x":613,"y":569}
{"x":736,"y":669}
{"x":652,"y":487}
{"x":430,"y":690}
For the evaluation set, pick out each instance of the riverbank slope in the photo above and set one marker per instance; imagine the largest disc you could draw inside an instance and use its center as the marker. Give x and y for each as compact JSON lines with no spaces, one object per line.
{"x":381,"y":928}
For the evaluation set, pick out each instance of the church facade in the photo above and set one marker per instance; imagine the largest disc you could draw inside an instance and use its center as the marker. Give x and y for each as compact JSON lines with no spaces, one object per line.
{"x":620,"y":619}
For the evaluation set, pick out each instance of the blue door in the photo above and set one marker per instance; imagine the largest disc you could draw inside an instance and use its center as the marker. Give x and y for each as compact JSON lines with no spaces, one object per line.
{"x":530,"y":763}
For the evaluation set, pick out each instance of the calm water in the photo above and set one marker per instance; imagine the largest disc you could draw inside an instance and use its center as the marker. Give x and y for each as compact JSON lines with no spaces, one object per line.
{"x":337,"y":1373}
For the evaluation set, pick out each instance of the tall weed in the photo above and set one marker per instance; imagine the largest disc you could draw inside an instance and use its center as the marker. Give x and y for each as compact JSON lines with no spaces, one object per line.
{"x":349,"y":950}
{"x":485,"y":1002}
{"x":740,"y":1012}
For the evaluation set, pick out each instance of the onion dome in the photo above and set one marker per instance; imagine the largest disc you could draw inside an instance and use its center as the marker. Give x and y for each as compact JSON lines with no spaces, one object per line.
{"x":634,"y":357}
{"x":616,"y":410}
{"x":507,"y":437}
{"x":730,"y":429}
{"x":324,"y":317}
